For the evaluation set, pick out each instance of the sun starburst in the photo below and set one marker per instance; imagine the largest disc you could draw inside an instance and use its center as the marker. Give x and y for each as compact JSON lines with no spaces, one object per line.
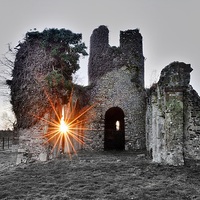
{"x":66,"y":129}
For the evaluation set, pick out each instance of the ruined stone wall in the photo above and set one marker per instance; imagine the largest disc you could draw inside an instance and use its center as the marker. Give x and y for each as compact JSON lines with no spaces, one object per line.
{"x":165,"y":126}
{"x":32,"y":64}
{"x":116,"y":78}
{"x":31,"y":143}
{"x":115,"y":89}
{"x":192,"y":125}
{"x":172,"y":107}
{"x":104,"y":58}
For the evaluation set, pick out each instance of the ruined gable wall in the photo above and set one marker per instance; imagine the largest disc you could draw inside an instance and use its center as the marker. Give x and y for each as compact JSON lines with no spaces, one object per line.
{"x":192,"y":125}
{"x":169,"y":117}
{"x":165,"y":114}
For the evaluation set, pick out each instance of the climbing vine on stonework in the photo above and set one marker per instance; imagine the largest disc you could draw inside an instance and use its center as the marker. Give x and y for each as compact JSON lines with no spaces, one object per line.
{"x":45,"y":61}
{"x":56,"y":80}
{"x":64,"y":45}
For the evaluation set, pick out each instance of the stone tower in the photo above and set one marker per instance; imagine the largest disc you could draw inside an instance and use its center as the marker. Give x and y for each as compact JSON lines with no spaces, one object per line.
{"x":116,"y":82}
{"x":104,"y":58}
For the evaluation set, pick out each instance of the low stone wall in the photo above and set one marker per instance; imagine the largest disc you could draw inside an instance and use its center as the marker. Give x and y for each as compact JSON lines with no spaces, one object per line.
{"x":31,"y":144}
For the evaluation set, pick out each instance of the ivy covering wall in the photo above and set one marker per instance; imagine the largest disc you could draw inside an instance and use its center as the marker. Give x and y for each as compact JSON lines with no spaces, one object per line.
{"x":44,"y":64}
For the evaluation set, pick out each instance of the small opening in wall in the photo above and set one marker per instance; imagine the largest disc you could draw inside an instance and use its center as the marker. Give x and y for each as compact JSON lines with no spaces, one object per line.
{"x":114,"y":129}
{"x":117,"y":124}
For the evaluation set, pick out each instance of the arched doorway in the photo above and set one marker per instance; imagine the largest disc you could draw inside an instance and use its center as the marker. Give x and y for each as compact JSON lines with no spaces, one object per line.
{"x":114,"y":136}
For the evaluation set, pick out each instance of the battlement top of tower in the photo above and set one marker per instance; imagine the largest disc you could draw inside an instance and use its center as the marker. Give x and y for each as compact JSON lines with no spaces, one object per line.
{"x":102,"y":29}
{"x":128,"y":38}
{"x":99,"y":36}
{"x":104,"y":58}
{"x":130,"y":33}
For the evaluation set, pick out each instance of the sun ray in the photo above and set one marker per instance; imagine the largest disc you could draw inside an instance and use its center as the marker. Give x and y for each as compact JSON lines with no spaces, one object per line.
{"x":75,"y":137}
{"x":51,"y":103}
{"x":70,"y":142}
{"x":68,"y":147}
{"x":66,"y":130}
{"x":74,"y":134}
{"x":81,"y":114}
{"x":53,"y":122}
{"x":53,"y":136}
{"x":57,"y":141}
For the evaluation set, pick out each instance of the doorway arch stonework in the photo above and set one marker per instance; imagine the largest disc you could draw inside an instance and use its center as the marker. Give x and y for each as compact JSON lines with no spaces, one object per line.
{"x":114,"y":132}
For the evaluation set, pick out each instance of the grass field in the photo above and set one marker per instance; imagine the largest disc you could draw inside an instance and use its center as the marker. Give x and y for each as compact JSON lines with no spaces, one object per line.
{"x":98,"y":176}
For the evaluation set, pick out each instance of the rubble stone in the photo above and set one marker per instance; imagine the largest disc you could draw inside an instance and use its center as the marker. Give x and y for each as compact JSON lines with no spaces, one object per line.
{"x":164,"y":120}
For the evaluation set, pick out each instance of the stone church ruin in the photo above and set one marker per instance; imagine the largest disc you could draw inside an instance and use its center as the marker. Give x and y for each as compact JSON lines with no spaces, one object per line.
{"x":164,"y":120}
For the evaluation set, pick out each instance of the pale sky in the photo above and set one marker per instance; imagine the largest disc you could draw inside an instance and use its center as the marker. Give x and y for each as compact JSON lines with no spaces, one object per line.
{"x":170,"y":28}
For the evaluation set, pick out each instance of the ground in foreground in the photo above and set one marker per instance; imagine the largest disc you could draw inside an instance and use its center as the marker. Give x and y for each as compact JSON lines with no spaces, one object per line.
{"x":99,"y":176}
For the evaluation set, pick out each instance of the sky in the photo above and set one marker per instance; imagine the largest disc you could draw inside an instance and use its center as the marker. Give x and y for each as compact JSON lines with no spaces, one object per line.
{"x":170,"y":30}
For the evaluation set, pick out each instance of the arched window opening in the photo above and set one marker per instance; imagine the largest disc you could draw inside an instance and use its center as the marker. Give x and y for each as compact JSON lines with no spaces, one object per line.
{"x":114,"y":129}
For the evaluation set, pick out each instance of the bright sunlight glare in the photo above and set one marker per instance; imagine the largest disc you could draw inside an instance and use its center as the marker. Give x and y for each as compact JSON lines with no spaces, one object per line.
{"x":68,"y":131}
{"x":64,"y":128}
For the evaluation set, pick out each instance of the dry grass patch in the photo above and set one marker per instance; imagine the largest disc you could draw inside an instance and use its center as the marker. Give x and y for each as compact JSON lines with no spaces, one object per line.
{"x":100,"y":175}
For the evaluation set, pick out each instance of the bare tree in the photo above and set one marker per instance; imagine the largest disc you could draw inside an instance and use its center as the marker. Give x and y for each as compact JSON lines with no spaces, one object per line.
{"x":6,"y":67}
{"x":7,"y":120}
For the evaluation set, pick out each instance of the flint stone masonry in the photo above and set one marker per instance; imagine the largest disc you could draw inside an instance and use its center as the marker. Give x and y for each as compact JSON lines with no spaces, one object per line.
{"x":32,"y":144}
{"x":169,"y":117}
{"x":104,"y":58}
{"x":116,"y":76}
{"x":164,"y":120}
{"x":114,"y":90}
{"x":192,"y":125}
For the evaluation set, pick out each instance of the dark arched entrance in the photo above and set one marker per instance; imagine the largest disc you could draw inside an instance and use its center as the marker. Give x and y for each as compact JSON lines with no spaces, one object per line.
{"x":114,"y":138}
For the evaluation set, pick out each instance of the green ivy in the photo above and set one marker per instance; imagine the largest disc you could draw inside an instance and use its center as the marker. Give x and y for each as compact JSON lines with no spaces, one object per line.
{"x":65,"y":47}
{"x":57,"y":81}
